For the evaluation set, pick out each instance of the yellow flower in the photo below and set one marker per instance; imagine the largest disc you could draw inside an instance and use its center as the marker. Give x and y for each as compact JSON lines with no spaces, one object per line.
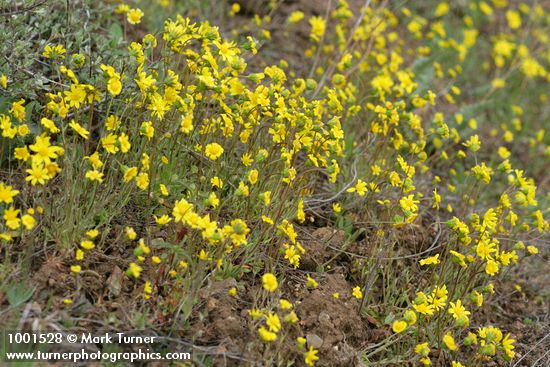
{"x":44,"y":152}
{"x":408,"y":204}
{"x":437,"y":199}
{"x":247,"y":159}
{"x":265,"y":197}
{"x":112,"y":122}
{"x":109,"y":143}
{"x":532,"y":250}
{"x":142,"y":181}
{"x":37,"y":174}
{"x":424,"y":308}
{"x":441,"y":9}
{"x":255,"y":313}
{"x":300,"y":214}
{"x":458,"y":258}
{"x":94,"y":175}
{"x":134,"y":16}
{"x":213,"y":151}
{"x":164,"y":190}
{"x":28,"y":221}
{"x":130,"y":173}
{"x":122,"y":8}
{"x":232,"y":292}
{"x":253,"y":176}
{"x":50,"y":125}
{"x":485,"y":8}
{"x":75,"y":96}
{"x":266,"y":335}
{"x":11,"y":218}
{"x":432,"y":260}
{"x":147,"y":290}
{"x":473,"y":143}
{"x":449,"y":342}
{"x":491,"y":267}
{"x":162,"y":220}
{"x":22,"y":153}
{"x":459,"y":312}
{"x":273,"y":322}
{"x":357,"y":293}
{"x":226,"y":49}
{"x":79,"y":129}
{"x":311,"y":356}
{"x":7,"y":193}
{"x":124,"y":143}
{"x":94,"y":160}
{"x":360,"y":187}
{"x":285,"y":305}
{"x":147,"y":129}
{"x":212,"y":200}
{"x":6,"y":236}
{"x":498,"y":83}
{"x":470,"y":339}
{"x":242,"y":190}
{"x":399,"y":326}
{"x":508,"y":346}
{"x":484,"y":249}
{"x":114,"y":86}
{"x":410,"y":317}
{"x":235,"y":8}
{"x":295,"y":17}
{"x":311,"y":283}
{"x":482,"y":172}
{"x":182,"y":210}
{"x":134,"y":270}
{"x":87,"y":245}
{"x":318,"y":26}
{"x":186,"y":124}
{"x":130,"y":233}
{"x":269,"y":282}
{"x":423,"y":349}
{"x":216,"y":182}
{"x":23,"y":130}
{"x":3,"y":81}
{"x":267,"y":220}
{"x":79,"y":256}
{"x":53,"y":52}
{"x":76,"y":269}
{"x":513,"y":18}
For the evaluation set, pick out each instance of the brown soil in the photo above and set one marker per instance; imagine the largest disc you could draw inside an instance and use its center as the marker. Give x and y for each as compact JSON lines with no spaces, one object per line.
{"x":332,"y":325}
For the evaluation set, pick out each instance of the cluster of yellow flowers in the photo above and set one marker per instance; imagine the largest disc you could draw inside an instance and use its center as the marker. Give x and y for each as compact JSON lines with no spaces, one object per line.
{"x":273,"y":323}
{"x":221,"y":163}
{"x":372,"y":51}
{"x":42,"y":168}
{"x":248,"y":138}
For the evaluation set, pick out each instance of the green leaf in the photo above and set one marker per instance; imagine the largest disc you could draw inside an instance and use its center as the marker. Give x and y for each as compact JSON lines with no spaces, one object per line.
{"x":115,"y":33}
{"x":17,"y":295}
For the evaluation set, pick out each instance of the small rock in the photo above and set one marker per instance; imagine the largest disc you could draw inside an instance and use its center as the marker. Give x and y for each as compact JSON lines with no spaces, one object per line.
{"x":314,"y":341}
{"x":114,"y":282}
